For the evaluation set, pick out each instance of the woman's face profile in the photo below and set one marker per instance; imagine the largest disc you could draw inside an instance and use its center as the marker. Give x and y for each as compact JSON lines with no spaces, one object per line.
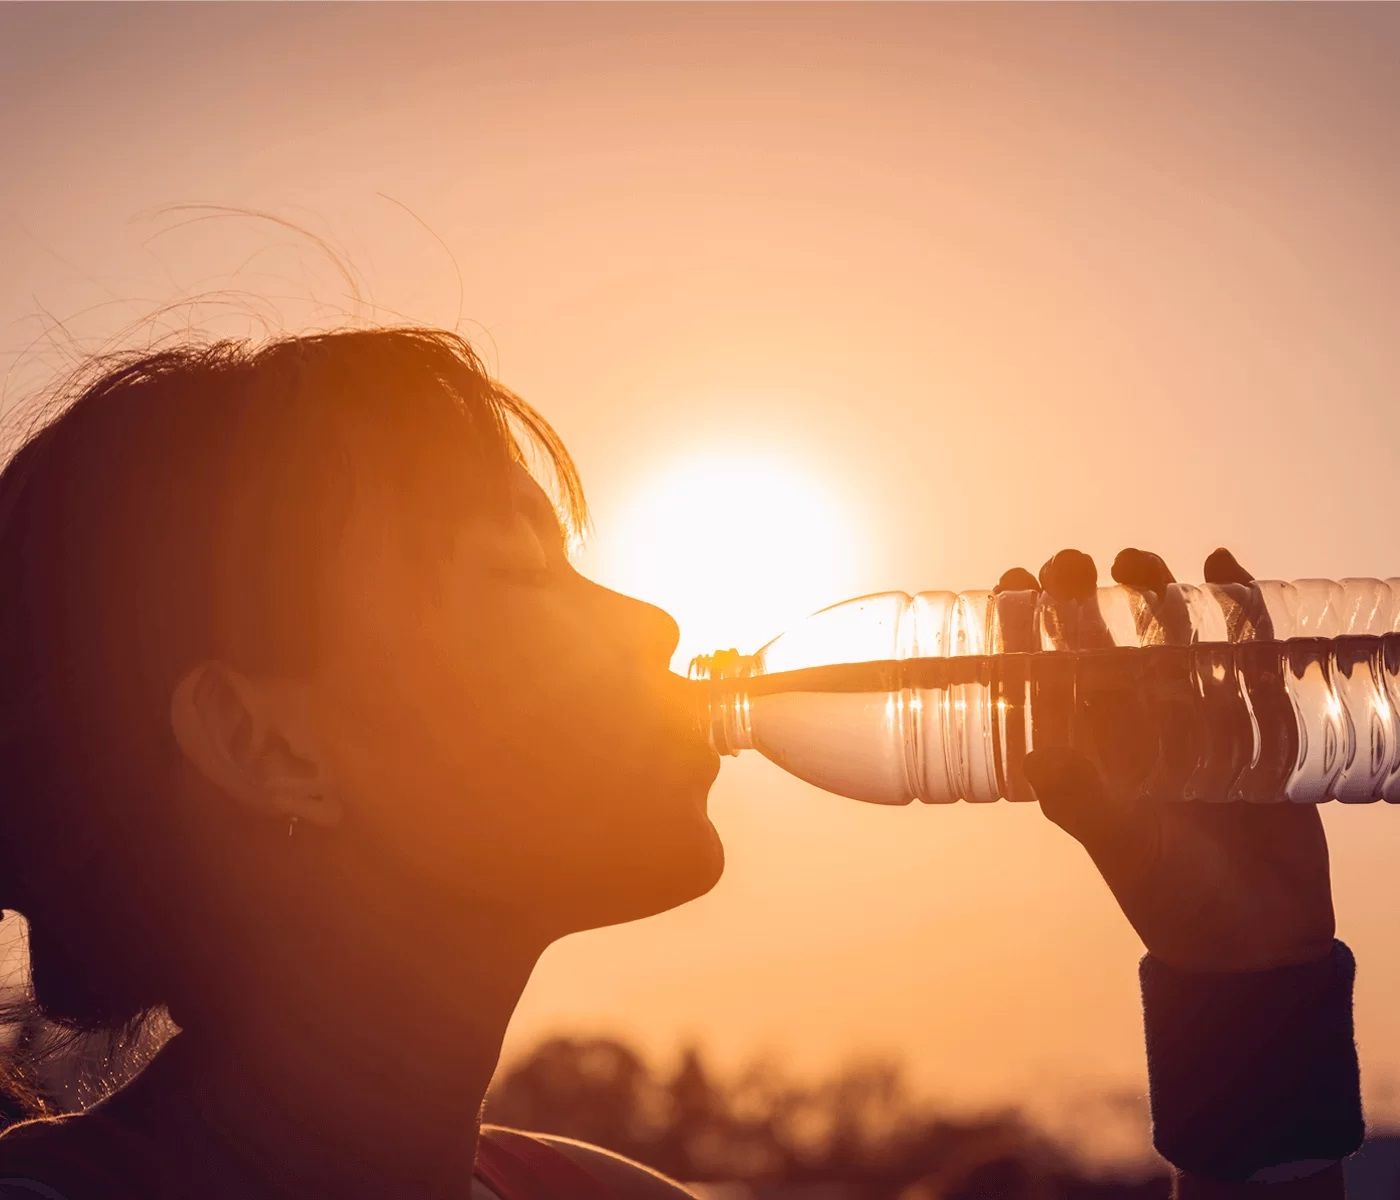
{"x":505,"y":730}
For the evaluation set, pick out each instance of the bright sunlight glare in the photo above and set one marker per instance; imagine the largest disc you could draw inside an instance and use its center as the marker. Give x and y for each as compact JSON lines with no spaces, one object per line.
{"x":737,"y":547}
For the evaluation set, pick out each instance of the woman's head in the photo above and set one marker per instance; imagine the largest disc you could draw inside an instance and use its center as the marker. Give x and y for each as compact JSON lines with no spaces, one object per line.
{"x":315,"y":582}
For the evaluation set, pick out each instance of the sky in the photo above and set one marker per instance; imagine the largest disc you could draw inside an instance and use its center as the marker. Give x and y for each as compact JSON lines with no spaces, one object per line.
{"x":857,"y":298}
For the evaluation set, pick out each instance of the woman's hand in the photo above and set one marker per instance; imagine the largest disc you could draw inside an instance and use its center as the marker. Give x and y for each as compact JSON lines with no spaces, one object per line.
{"x":1208,"y":887}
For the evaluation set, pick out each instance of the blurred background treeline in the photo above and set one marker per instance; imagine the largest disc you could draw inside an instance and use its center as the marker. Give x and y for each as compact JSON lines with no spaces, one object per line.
{"x":761,"y":1133}
{"x":857,"y":1133}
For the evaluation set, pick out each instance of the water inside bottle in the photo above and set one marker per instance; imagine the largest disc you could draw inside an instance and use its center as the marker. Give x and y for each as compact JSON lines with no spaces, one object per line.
{"x":1261,"y":721}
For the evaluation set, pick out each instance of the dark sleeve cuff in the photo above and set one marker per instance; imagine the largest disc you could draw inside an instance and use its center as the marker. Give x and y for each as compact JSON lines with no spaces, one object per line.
{"x":1252,"y":1069}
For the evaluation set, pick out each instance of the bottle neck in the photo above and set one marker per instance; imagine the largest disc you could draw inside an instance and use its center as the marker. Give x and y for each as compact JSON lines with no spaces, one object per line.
{"x":722,"y":702}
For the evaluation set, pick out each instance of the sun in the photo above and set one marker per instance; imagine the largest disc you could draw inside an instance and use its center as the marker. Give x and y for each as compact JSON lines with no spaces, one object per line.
{"x":735,"y":546}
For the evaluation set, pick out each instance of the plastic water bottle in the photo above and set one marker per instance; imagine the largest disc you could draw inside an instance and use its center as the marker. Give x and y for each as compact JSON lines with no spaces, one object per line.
{"x":1261,"y":692}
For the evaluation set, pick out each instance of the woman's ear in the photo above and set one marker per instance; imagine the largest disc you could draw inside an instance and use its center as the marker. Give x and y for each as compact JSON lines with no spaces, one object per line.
{"x":253,"y":742}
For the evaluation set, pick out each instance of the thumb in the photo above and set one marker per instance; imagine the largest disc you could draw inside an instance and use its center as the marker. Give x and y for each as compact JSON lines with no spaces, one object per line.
{"x":1071,"y":794}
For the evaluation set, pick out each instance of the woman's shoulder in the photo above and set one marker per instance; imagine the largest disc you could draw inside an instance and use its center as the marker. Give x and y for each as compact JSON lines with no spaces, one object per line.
{"x":615,"y":1175}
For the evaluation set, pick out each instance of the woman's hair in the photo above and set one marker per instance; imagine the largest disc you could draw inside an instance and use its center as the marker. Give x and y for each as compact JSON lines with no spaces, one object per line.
{"x":175,"y":506}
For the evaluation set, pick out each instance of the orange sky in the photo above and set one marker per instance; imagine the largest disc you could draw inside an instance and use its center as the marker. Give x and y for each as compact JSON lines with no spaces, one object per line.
{"x":1004,"y":278}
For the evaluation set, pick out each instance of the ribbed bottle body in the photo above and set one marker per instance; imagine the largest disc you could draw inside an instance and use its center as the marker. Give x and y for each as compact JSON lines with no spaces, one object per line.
{"x":1256,"y":693}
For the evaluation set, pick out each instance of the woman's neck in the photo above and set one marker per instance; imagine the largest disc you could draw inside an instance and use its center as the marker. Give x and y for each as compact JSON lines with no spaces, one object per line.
{"x":362,"y":1072}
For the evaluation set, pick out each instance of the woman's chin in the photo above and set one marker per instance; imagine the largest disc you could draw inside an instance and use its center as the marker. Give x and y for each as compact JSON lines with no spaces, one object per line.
{"x":669,"y":875}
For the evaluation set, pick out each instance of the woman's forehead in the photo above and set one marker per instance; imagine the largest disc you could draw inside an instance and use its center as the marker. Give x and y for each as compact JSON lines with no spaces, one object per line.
{"x":520,"y":508}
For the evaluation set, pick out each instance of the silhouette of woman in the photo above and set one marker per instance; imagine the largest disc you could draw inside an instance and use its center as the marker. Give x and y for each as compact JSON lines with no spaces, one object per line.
{"x":311,"y":737}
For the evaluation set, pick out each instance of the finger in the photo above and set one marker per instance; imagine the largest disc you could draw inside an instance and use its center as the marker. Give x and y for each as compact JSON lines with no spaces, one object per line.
{"x":1142,"y":569}
{"x":1069,"y":575}
{"x":1018,"y":579}
{"x":1247,"y":616}
{"x":1163,"y":616}
{"x":1072,"y":795}
{"x":1073,"y":620}
{"x":1224,"y":567}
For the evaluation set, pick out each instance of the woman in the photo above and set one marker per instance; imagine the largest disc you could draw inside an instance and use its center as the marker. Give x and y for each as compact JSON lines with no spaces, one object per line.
{"x":314,"y":738}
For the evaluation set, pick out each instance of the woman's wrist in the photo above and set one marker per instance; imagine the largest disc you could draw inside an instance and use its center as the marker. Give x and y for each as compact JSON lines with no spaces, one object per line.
{"x":1325,"y":1183}
{"x":1250,"y":1070}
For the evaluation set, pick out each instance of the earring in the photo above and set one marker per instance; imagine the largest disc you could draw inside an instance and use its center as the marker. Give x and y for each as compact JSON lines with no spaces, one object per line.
{"x":292,"y":825}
